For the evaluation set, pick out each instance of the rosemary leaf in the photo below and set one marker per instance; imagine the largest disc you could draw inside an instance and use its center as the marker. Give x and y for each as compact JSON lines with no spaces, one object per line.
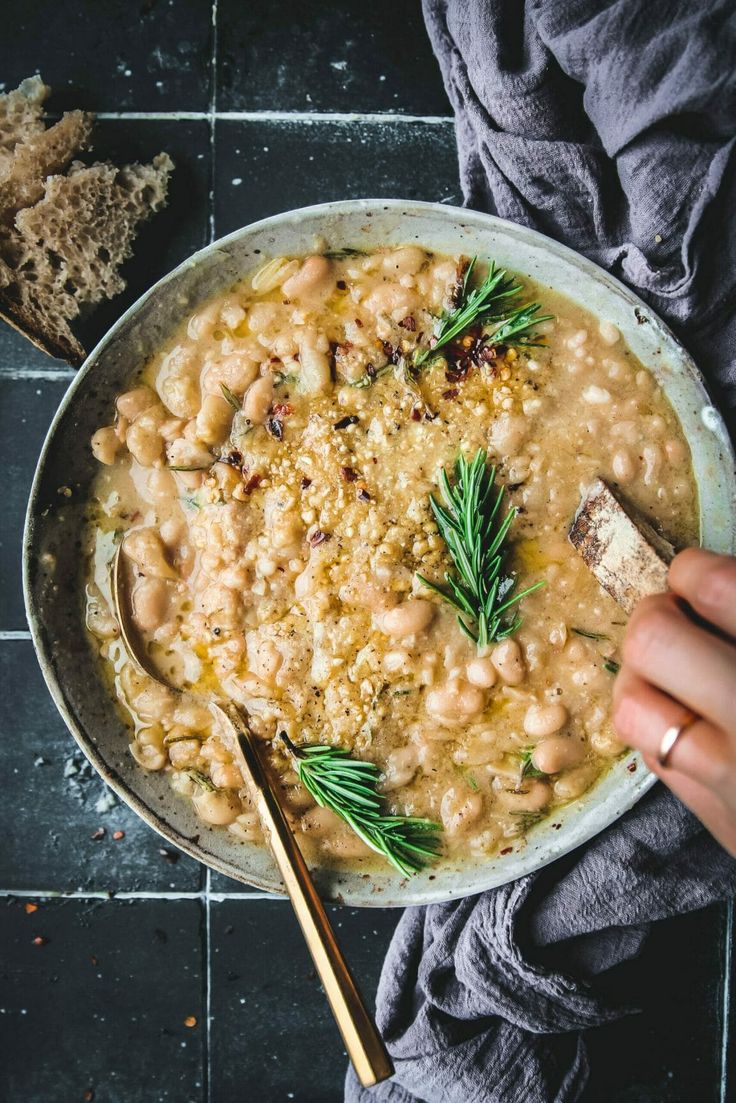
{"x":528,"y":769}
{"x":589,"y":635}
{"x":233,"y":399}
{"x":347,"y":786}
{"x":468,"y":522}
{"x":611,"y":666}
{"x":489,"y":306}
{"x":202,"y":780}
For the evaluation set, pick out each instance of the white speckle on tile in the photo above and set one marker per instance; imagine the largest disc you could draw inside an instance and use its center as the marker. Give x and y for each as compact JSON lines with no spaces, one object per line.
{"x":265,"y":149}
{"x":382,"y":77}
{"x":107,"y":801}
{"x":341,"y":66}
{"x":237,"y":181}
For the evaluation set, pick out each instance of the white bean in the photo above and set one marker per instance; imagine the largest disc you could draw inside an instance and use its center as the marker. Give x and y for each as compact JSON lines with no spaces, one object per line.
{"x":573,"y":784}
{"x":623,"y":466}
{"x":312,"y":279}
{"x":258,"y":399}
{"x":609,"y":333}
{"x":218,"y":808}
{"x":315,"y":376}
{"x":150,"y":603}
{"x":105,"y":445}
{"x":509,"y":662}
{"x":132,"y":403}
{"x":408,"y":618}
{"x":214,"y":419}
{"x":146,"y":549}
{"x":543,"y":720}
{"x":459,"y":809}
{"x":481,"y":672}
{"x":401,"y":766}
{"x":455,"y":702}
{"x":532,"y":796}
{"x":556,"y":753}
{"x":144,"y":439}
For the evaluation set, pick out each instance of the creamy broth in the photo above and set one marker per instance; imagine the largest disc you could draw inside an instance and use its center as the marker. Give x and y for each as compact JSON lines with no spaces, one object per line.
{"x":271,"y":471}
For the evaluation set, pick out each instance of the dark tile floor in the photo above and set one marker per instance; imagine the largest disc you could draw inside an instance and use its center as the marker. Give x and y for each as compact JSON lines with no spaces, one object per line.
{"x":127,"y":973}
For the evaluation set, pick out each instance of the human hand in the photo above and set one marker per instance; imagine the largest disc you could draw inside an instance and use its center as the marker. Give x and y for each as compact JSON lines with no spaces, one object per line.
{"x":679,"y":658}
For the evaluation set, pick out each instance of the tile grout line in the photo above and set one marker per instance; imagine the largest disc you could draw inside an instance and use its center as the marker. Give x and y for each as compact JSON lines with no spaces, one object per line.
{"x":369,"y":117}
{"x":214,"y":897}
{"x":726,"y":1009}
{"x":50,"y":375}
{"x":23,"y":634}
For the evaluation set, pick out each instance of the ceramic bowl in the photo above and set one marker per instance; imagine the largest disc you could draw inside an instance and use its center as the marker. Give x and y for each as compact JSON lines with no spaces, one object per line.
{"x":54,"y":596}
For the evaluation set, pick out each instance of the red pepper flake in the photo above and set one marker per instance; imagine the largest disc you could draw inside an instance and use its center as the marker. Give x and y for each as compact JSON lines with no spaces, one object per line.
{"x":342,"y":285}
{"x":88,"y":1096}
{"x":631,"y":767}
{"x":94,"y":960}
{"x":416,"y":413}
{"x":253,"y":482}
{"x":30,"y":908}
{"x":409,"y":324}
{"x":363,"y":495}
{"x":506,"y":850}
{"x":98,"y":834}
{"x":452,"y":392}
{"x":39,"y":940}
{"x":344,"y":422}
{"x":190,"y":1021}
{"x":318,"y":537}
{"x":118,"y":835}
{"x":487,"y":353}
{"x":282,"y":409}
{"x":358,"y":323}
{"x":305,"y":483}
{"x":349,"y":474}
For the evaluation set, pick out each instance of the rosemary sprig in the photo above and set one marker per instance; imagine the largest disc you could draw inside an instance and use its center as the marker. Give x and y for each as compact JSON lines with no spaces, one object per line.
{"x":231,"y":398}
{"x":347,"y":786}
{"x":488,"y":305}
{"x":469,"y":525}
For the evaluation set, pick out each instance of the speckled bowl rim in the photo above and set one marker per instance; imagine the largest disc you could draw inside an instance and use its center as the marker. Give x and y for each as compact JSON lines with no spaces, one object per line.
{"x":579,"y":822}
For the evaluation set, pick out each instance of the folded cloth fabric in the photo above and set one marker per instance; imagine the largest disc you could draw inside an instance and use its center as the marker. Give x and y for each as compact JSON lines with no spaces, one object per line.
{"x":610,"y":127}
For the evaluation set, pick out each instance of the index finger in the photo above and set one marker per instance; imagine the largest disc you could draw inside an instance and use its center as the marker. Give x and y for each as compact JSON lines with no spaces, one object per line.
{"x":707,"y":582}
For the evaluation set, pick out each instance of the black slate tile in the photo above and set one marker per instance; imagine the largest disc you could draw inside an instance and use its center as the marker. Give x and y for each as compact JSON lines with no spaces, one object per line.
{"x":57,"y":802}
{"x":271,"y":1025}
{"x":219,"y":883}
{"x":26,"y":409}
{"x":305,"y":55}
{"x":100,"y":1008}
{"x":179,"y":229}
{"x":672,"y":1050}
{"x":112,"y":55}
{"x":266,"y":167}
{"x":171,"y":236}
{"x":17,"y":354}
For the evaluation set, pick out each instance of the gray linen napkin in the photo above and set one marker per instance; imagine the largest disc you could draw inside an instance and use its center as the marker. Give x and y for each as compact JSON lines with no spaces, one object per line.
{"x":610,"y":127}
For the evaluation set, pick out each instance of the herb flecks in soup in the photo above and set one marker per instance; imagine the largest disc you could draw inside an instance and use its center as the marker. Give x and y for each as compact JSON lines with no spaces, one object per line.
{"x":272,"y":472}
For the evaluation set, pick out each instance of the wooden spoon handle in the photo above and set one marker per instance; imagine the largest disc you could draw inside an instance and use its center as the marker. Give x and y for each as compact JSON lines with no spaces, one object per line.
{"x":359,"y":1032}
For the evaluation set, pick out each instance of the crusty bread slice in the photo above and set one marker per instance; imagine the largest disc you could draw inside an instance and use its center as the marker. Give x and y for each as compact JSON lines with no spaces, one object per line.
{"x":69,"y":245}
{"x":22,"y":181}
{"x":62,"y":237}
{"x":21,"y":116}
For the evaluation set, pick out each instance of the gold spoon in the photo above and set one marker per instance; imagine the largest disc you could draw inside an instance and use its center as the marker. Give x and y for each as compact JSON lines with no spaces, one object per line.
{"x":363,"y":1043}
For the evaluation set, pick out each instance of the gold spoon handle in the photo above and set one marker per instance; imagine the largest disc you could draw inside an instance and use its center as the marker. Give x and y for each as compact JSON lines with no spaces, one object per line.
{"x":359,"y":1032}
